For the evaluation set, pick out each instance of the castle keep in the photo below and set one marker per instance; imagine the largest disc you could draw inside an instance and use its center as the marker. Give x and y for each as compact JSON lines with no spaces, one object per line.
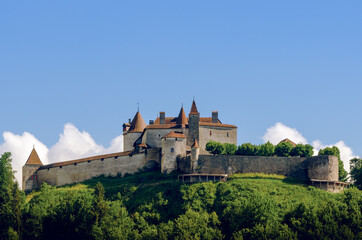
{"x":177,"y":143}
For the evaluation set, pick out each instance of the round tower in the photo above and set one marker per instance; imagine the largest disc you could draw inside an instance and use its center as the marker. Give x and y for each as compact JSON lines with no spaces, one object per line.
{"x":173,"y":145}
{"x":132,"y":131}
{"x":195,"y":152}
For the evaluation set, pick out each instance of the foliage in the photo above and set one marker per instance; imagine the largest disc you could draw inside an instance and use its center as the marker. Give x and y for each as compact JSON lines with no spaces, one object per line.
{"x":356,"y":171}
{"x":229,"y":149}
{"x":247,"y":149}
{"x":302,"y":150}
{"x":215,"y":148}
{"x":11,"y":199}
{"x":283,"y":149}
{"x":266,"y":149}
{"x":342,"y":173}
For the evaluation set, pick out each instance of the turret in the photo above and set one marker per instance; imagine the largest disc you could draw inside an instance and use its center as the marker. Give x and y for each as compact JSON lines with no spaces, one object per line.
{"x":194,"y":121}
{"x":132,"y":131}
{"x":30,"y":178}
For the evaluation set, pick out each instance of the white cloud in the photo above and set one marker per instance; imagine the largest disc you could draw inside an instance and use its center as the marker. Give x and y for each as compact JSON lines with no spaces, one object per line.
{"x":279,"y":132}
{"x":72,"y":144}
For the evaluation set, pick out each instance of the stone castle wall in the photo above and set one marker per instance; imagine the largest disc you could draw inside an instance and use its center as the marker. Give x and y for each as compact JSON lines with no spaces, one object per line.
{"x":218,"y":134}
{"x":78,"y":172}
{"x":319,"y":167}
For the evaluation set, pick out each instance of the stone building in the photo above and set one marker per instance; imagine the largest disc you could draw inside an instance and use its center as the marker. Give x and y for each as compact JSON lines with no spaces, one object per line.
{"x":156,"y":145}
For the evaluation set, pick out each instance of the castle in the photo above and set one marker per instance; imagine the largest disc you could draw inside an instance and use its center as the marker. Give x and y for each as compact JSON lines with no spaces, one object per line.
{"x":178,"y":143}
{"x":158,"y":144}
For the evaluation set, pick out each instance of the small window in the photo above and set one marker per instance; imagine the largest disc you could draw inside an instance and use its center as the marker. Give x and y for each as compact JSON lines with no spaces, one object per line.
{"x":48,"y":169}
{"x":75,"y":164}
{"x":60,"y":166}
{"x":32,"y":177}
{"x":115,"y":157}
{"x":210,"y":133}
{"x":227,"y":134}
{"x":172,"y":150}
{"x":159,"y":135}
{"x":88,"y":161}
{"x":102,"y":159}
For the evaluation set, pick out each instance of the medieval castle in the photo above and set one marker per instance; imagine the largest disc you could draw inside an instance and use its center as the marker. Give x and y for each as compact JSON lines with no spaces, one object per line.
{"x":177,"y":143}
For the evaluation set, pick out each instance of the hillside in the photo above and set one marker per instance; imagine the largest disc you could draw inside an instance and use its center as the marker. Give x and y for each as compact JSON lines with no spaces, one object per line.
{"x":154,"y":206}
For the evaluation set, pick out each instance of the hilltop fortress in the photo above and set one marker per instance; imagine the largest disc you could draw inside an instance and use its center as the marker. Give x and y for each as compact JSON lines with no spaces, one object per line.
{"x":175,"y":143}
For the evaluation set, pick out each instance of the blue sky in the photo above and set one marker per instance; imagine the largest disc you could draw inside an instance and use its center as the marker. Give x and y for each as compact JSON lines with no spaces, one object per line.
{"x":256,"y":62}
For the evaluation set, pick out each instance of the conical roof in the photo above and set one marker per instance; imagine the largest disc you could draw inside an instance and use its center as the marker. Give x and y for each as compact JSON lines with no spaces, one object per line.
{"x":34,"y":158}
{"x":195,"y":145}
{"x":194,"y":108}
{"x":137,"y":124}
{"x":182,"y":119}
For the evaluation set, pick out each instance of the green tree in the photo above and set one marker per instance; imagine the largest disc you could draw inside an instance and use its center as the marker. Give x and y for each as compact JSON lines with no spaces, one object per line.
{"x":10,"y":200}
{"x":356,"y":171}
{"x":334,"y":151}
{"x":283,"y":149}
{"x":229,"y":149}
{"x":266,"y":149}
{"x":215,"y":148}
{"x":302,"y":150}
{"x":247,"y":149}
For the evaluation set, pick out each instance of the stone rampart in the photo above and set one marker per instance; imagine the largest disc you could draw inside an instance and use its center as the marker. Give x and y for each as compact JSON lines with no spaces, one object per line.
{"x":320,"y":167}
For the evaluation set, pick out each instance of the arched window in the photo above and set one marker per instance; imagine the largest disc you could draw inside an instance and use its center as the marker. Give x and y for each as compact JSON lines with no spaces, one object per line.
{"x":172,"y":150}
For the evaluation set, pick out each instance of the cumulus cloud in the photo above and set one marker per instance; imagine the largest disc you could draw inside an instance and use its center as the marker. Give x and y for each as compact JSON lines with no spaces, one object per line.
{"x":279,"y":131}
{"x":72,"y":144}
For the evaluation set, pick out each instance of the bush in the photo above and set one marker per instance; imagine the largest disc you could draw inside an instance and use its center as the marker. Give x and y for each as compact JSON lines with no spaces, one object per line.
{"x":247,"y":149}
{"x":229,"y":149}
{"x":266,"y":149}
{"x":215,"y":148}
{"x":283,"y":149}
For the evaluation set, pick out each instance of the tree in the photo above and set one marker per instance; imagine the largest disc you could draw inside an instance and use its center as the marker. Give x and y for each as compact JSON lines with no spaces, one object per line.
{"x":356,"y":171}
{"x":215,"y":148}
{"x":247,"y":149}
{"x":302,"y":150}
{"x":334,"y":151}
{"x":283,"y":149}
{"x":266,"y":149}
{"x":10,"y":200}
{"x":229,"y":149}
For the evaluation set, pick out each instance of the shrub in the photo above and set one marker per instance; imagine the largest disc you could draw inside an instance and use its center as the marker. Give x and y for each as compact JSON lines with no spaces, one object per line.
{"x":266,"y":149}
{"x":247,"y":149}
{"x":229,"y":149}
{"x":302,"y":150}
{"x":215,"y":148}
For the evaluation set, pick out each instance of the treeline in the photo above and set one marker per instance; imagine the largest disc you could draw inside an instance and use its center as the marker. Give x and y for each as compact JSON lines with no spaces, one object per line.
{"x":282,"y":149}
{"x":263,"y":207}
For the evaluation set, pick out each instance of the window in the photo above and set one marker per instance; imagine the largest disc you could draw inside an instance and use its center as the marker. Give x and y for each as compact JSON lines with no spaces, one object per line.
{"x":172,"y":150}
{"x":227,"y":134}
{"x":32,"y":177}
{"x":88,"y":161}
{"x":159,"y":135}
{"x":75,"y":164}
{"x":102,"y":159}
{"x":60,"y":166}
{"x":210,"y":133}
{"x":115,"y":157}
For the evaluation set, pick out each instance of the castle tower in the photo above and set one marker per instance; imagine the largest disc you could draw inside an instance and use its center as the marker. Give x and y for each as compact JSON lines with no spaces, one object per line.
{"x":132,"y":131}
{"x":182,"y":119}
{"x":173,"y":145}
{"x":194,"y":121}
{"x":195,"y":151}
{"x":30,"y":178}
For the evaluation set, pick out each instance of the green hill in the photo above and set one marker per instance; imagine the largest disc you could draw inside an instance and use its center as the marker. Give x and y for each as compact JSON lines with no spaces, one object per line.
{"x":156,"y":206}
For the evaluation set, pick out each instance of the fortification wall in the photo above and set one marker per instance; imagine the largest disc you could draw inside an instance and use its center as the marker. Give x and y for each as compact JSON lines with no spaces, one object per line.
{"x":82,"y":171}
{"x":319,"y":167}
{"x":218,"y":134}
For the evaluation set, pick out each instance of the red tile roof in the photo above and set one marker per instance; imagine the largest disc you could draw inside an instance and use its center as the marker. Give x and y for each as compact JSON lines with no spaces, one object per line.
{"x":288,"y":140}
{"x":65,"y":163}
{"x":217,"y":125}
{"x":137,"y":124}
{"x":34,"y":158}
{"x":175,"y":135}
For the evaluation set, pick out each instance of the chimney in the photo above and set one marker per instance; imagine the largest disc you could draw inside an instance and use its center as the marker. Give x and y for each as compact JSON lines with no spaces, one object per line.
{"x":151,"y":122}
{"x":162,"y":118}
{"x":215,"y":117}
{"x":129,"y":120}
